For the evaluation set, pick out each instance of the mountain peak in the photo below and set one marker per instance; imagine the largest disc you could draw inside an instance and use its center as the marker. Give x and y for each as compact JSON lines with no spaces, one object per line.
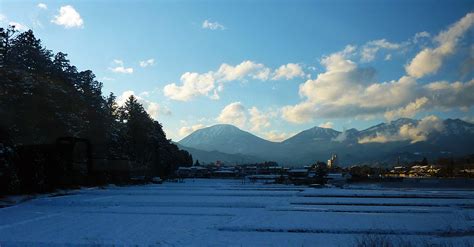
{"x":225,"y":138}
{"x":221,"y":128}
{"x":314,"y":134}
{"x":318,"y":143}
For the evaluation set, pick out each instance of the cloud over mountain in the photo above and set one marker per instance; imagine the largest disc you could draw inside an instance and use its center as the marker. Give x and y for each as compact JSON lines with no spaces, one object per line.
{"x":345,"y":89}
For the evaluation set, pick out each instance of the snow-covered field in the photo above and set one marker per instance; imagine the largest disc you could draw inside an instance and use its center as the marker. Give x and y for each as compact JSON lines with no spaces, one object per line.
{"x":229,"y":213}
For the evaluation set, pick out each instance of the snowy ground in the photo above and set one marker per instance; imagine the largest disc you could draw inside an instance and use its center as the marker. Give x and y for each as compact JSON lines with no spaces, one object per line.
{"x":229,"y":213}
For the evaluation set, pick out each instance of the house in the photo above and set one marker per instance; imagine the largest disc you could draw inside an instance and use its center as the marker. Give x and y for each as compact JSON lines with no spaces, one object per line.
{"x":193,"y":172}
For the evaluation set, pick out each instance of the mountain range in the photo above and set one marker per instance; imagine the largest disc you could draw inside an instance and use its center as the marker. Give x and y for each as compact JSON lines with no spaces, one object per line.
{"x":405,"y":139}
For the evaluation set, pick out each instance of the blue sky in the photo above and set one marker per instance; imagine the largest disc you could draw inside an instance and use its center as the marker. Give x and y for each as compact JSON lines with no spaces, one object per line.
{"x":273,"y":68}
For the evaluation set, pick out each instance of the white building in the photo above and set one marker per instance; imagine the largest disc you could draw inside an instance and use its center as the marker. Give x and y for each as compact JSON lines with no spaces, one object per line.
{"x":333,"y":162}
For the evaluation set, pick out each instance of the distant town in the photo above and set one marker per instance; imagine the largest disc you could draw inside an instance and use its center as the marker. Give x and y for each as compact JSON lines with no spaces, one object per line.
{"x":331,"y":172}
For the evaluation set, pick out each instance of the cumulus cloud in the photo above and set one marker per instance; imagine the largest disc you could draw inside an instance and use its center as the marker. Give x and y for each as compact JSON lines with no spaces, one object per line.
{"x":120,"y":68}
{"x":245,"y":69}
{"x":18,"y":26}
{"x":68,"y":17}
{"x":246,"y":118}
{"x":234,"y":113}
{"x":327,"y":125}
{"x":154,"y":109}
{"x":207,"y":24}
{"x":369,"y":51}
{"x":441,"y":95}
{"x":429,"y":60}
{"x":146,"y":63}
{"x":276,"y":136}
{"x":258,"y":119}
{"x":192,"y":85}
{"x":447,"y":95}
{"x":409,"y":132}
{"x":299,"y":113}
{"x":345,"y":89}
{"x":288,"y":71}
{"x":186,"y":130}
{"x":467,"y":66}
{"x":211,"y":83}
{"x":42,"y":6}
{"x":409,"y":110}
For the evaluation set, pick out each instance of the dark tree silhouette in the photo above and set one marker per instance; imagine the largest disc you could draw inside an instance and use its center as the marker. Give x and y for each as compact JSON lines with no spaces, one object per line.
{"x":43,"y":97}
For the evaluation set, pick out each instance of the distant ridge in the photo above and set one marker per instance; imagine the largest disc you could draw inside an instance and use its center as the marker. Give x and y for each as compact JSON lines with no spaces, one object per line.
{"x":380,"y":143}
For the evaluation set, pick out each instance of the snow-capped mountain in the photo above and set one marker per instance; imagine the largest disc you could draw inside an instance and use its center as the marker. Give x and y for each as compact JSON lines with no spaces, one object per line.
{"x":228,"y":139}
{"x":315,"y":134}
{"x":408,"y":138}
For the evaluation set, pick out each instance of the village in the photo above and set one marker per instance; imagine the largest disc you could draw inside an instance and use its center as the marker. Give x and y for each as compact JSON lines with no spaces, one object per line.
{"x":322,"y":173}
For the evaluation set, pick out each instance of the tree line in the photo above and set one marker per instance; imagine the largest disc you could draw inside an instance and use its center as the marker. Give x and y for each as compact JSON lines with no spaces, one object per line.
{"x":44,"y":97}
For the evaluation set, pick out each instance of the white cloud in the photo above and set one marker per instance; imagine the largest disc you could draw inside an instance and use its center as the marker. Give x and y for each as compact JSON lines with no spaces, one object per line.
{"x":258,"y":119}
{"x":369,"y":51}
{"x":42,"y":6}
{"x":341,"y":137}
{"x":277,"y":136}
{"x":300,"y":113}
{"x":426,"y":62}
{"x":469,"y":119}
{"x":441,"y":95}
{"x":253,"y":118}
{"x":154,"y":109}
{"x":421,"y":35}
{"x":408,"y":132}
{"x":245,"y":69}
{"x":429,"y":60}
{"x":288,"y":71}
{"x":146,"y":63}
{"x":193,"y":84}
{"x":186,"y":130}
{"x":18,"y":26}
{"x":207,"y":24}
{"x":68,"y":17}
{"x":346,"y":90}
{"x":3,"y":18}
{"x":211,"y":83}
{"x":234,"y":113}
{"x":409,"y":110}
{"x":120,"y":68}
{"x":327,"y":125}
{"x":121,"y":99}
{"x":447,"y":95}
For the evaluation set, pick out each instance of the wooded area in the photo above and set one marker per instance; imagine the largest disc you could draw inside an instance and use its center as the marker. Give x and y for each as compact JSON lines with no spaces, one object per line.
{"x":43,"y":97}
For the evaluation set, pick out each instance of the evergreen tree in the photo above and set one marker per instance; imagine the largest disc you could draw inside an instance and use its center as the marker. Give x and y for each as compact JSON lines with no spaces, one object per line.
{"x":44,"y":97}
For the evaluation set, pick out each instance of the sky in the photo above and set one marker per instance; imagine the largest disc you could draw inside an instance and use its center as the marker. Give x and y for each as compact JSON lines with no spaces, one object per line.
{"x":273,"y":68}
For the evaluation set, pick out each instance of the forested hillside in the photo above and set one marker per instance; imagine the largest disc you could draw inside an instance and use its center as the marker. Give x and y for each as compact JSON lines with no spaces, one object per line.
{"x":44,"y":97}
